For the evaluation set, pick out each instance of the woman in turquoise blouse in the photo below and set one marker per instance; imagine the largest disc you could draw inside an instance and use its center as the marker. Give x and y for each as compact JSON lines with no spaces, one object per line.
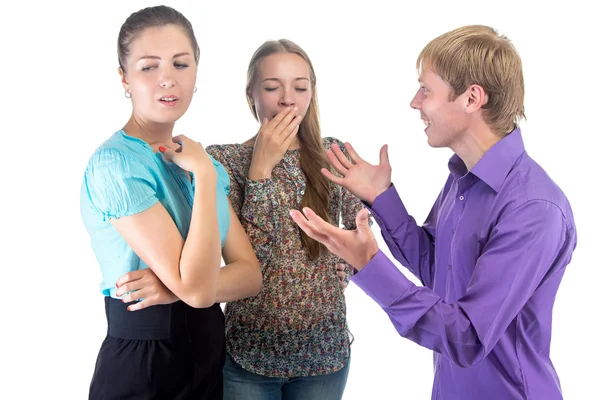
{"x":151,"y":200}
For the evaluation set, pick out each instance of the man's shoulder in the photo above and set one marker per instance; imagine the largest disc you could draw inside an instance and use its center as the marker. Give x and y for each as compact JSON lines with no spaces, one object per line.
{"x":529,"y":182}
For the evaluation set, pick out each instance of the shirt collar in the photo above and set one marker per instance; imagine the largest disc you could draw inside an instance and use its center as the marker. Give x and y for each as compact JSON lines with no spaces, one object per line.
{"x":496,"y":163}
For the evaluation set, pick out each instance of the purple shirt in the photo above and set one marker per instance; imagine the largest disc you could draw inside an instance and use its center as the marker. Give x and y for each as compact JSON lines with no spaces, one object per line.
{"x":491,"y":255}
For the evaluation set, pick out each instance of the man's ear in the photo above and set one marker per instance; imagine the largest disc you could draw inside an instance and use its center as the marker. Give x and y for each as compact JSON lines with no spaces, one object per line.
{"x":476,"y":98}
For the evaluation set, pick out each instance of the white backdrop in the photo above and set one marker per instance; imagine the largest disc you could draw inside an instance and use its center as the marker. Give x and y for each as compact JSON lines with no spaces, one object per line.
{"x":62,"y":97}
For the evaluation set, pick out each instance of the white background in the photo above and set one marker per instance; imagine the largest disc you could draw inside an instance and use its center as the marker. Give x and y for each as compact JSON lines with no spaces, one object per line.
{"x":62,"y":97}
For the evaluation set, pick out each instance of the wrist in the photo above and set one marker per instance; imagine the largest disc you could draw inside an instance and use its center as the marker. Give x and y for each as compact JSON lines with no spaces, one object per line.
{"x":377,"y":193}
{"x":370,"y":199}
{"x":258,"y":172}
{"x":204,"y":175}
{"x":371,"y":252}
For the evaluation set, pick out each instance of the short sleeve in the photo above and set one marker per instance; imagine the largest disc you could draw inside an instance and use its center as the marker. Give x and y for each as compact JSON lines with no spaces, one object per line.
{"x":118,"y":186}
{"x":223,"y":178}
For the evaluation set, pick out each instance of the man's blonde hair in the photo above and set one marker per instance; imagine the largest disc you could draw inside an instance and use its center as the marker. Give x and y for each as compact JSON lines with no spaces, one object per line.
{"x":477,"y":54}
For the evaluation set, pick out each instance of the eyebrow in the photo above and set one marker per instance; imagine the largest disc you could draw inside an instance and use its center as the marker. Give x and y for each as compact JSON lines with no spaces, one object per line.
{"x":158,"y":58}
{"x":279,"y":80}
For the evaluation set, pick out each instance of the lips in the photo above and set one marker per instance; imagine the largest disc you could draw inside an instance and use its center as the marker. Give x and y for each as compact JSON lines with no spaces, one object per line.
{"x":168,"y":100}
{"x":425,"y":120}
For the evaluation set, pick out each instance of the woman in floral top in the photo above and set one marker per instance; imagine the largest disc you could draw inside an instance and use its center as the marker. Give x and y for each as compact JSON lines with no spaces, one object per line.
{"x":291,"y":340}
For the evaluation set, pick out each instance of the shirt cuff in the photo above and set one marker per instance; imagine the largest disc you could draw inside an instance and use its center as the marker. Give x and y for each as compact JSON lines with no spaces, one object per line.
{"x":259,"y":190}
{"x":381,"y":280}
{"x":388,"y":210}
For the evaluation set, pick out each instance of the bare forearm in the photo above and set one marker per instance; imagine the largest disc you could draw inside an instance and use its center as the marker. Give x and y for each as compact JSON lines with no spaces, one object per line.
{"x":201,"y":254}
{"x":258,"y":171}
{"x":237,"y":281}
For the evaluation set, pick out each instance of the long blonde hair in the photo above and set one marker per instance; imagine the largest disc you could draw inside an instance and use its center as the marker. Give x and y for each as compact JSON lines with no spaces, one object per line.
{"x":312,"y":152}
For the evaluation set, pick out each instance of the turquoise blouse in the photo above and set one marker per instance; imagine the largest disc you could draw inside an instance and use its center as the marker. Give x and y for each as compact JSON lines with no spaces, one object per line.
{"x":124,"y":176}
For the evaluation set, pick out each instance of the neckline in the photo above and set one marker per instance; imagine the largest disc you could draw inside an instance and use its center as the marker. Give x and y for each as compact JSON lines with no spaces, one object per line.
{"x":136,"y":139}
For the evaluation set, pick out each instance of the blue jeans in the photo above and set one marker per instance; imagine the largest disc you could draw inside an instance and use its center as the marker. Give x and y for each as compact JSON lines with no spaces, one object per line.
{"x":240,"y":384}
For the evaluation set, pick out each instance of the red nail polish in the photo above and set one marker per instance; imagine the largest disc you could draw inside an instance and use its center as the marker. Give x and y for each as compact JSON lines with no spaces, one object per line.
{"x":129,"y":308}
{"x":162,"y":149}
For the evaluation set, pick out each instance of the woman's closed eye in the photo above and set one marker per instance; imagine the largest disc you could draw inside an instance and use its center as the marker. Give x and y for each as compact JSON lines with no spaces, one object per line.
{"x":177,"y":65}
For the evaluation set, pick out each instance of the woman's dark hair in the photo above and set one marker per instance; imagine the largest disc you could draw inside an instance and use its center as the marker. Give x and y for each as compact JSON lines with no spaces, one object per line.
{"x":152,"y":17}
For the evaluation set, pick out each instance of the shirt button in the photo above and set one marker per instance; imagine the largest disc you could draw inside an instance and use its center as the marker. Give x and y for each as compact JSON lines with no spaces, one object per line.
{"x":302,"y":192}
{"x":453,"y":231}
{"x":461,"y":198}
{"x":449,"y":267}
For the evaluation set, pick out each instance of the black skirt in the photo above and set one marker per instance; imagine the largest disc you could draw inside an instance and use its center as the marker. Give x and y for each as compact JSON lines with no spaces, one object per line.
{"x":161,"y":352}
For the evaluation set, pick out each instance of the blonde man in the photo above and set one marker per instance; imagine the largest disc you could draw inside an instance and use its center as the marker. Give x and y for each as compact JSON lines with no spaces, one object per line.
{"x":493,"y":250}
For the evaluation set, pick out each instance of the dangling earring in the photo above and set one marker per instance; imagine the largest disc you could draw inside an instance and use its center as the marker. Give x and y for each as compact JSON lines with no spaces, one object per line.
{"x":195,"y":88}
{"x":127,"y":93}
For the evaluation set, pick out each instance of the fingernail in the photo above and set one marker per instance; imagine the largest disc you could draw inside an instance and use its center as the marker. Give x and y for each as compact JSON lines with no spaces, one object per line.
{"x":162,"y":149}
{"x":128,"y":308}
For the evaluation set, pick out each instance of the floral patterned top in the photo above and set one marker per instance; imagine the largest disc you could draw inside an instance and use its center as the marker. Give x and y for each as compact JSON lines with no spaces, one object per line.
{"x":296,"y":325}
